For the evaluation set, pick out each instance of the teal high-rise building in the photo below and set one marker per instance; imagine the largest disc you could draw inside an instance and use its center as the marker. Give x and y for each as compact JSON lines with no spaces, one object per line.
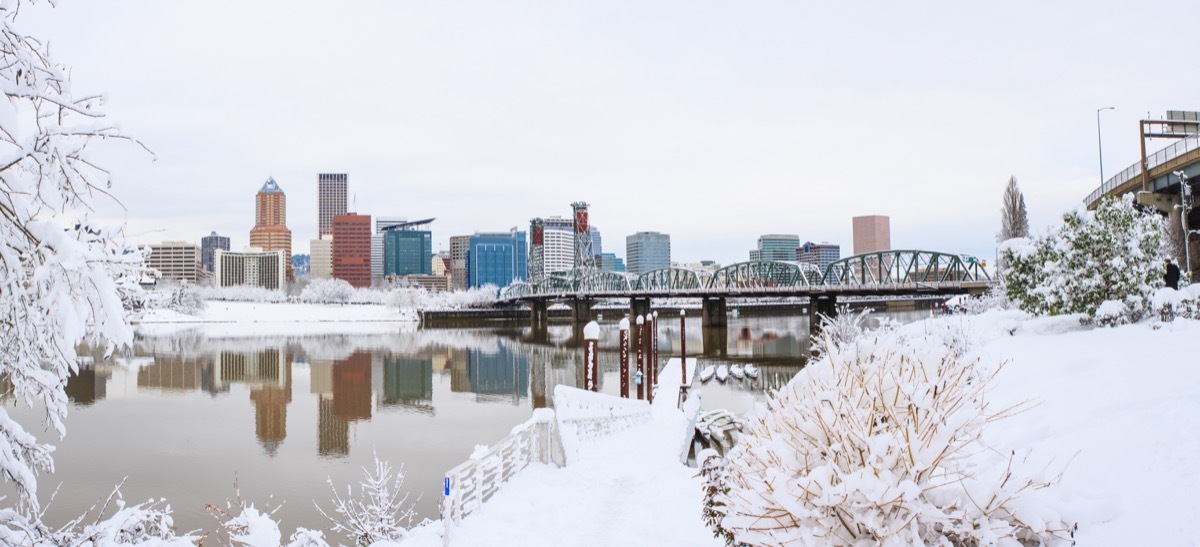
{"x":776,"y":247}
{"x":407,"y":252}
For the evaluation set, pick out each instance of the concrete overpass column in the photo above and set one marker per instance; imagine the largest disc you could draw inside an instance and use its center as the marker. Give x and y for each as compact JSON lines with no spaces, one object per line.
{"x":714,"y":313}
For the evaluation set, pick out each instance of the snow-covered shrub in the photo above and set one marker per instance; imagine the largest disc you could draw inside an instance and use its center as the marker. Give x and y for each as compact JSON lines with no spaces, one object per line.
{"x":185,"y":299}
{"x":712,"y":469}
{"x":844,"y":327}
{"x":877,"y":443}
{"x":141,"y":524}
{"x":1168,"y":303}
{"x":379,"y":513}
{"x":994,"y":299}
{"x":327,"y":291}
{"x":1114,"y":253}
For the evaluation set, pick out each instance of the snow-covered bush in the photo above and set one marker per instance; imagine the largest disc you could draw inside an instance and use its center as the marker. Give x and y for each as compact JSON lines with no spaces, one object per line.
{"x":1114,"y":253}
{"x":379,"y":513}
{"x":843,"y":328}
{"x":147,"y":523}
{"x":328,"y":291}
{"x":1168,"y":303}
{"x":877,"y":443}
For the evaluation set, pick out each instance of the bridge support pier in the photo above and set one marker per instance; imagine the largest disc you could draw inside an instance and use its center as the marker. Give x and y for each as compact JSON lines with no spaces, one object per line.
{"x":716,"y":341}
{"x":638,"y":305}
{"x":823,"y":305}
{"x":539,"y":315}
{"x":581,"y":311}
{"x":714,"y":313}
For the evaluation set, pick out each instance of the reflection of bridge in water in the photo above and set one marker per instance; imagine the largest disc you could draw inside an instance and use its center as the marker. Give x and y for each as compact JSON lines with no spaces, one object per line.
{"x":896,"y":273}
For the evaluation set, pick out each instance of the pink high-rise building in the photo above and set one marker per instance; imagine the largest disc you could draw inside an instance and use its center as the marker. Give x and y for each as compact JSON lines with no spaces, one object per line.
{"x":872,"y":233}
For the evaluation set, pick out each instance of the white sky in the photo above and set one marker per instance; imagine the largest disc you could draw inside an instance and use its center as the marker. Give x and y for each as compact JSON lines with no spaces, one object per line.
{"x":715,"y":122}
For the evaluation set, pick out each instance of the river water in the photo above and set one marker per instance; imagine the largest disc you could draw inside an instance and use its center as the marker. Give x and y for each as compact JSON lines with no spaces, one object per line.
{"x":199,"y":420}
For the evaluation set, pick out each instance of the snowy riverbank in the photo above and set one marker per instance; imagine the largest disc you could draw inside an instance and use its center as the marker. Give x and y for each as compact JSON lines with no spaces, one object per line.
{"x":1120,"y":407}
{"x":227,"y":319}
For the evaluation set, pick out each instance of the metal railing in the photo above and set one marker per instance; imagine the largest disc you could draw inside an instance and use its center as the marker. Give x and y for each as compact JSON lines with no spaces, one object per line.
{"x":1179,"y":148}
{"x":479,"y":478}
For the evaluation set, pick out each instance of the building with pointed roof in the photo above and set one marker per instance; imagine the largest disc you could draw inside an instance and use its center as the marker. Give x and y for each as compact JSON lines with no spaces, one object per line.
{"x":270,"y":231}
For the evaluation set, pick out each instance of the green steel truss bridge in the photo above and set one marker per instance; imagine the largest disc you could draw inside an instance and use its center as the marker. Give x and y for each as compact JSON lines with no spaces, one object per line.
{"x":896,"y":272}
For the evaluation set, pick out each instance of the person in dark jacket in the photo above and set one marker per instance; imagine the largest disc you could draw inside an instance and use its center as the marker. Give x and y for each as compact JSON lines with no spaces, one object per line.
{"x":1171,"y":278}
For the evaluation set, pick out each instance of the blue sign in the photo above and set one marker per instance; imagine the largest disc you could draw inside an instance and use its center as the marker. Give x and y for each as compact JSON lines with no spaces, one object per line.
{"x":447,"y":484}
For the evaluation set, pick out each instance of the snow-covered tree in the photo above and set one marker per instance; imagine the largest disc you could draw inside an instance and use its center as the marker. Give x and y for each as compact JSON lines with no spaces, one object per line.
{"x":1112,"y":254}
{"x":380,"y":512}
{"x":1014,"y":219}
{"x":327,"y":291}
{"x":57,"y":270}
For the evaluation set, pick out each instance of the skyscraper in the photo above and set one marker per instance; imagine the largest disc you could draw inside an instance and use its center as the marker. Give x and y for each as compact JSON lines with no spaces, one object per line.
{"x":381,"y":226}
{"x":407,"y":250}
{"x":646,"y":251}
{"x":497,"y":259}
{"x":270,"y":231}
{"x":872,"y":233}
{"x":331,"y":200}
{"x":175,"y":260}
{"x":776,"y":247}
{"x":208,"y":246}
{"x":459,"y":245}
{"x":819,"y":254}
{"x":352,"y":249}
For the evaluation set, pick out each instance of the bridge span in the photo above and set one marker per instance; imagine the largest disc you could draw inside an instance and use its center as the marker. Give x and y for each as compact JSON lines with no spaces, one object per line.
{"x":882,"y":273}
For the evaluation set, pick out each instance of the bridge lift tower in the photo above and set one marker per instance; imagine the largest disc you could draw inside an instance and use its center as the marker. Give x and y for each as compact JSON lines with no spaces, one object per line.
{"x":585,"y":257}
{"x":537,"y":250}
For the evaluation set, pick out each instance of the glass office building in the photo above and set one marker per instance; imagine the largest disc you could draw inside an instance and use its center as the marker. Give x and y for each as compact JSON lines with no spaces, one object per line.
{"x":497,"y":259}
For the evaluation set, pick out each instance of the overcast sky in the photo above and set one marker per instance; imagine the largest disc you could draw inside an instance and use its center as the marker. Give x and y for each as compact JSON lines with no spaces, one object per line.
{"x":713,"y":121}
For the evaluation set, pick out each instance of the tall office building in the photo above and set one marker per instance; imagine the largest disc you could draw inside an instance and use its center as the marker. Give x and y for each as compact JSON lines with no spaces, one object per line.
{"x":270,"y":231}
{"x":776,"y":247}
{"x":459,"y":245}
{"x":408,"y":250}
{"x":331,"y":200}
{"x":352,"y":249}
{"x":175,"y":260}
{"x":497,"y":259}
{"x":872,"y":233}
{"x":646,"y":251}
{"x":381,"y":225}
{"x":820,"y":255}
{"x":208,"y":247}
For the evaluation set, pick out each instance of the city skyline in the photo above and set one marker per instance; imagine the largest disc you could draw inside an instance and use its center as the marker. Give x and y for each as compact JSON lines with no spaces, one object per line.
{"x":770,"y":118}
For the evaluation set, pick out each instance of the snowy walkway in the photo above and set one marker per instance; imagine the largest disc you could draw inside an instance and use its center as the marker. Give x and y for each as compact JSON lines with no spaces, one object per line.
{"x":626,"y":489}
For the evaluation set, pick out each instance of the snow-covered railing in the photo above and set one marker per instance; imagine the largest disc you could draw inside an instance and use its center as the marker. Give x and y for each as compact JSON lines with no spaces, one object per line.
{"x":584,"y":416}
{"x":477,"y":480}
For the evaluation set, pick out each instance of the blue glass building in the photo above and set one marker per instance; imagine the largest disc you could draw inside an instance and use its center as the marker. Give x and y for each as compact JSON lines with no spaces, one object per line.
{"x":497,"y":259}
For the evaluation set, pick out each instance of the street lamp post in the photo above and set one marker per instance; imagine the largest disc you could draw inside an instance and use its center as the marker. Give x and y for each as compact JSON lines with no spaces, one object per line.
{"x":1100,"y":143}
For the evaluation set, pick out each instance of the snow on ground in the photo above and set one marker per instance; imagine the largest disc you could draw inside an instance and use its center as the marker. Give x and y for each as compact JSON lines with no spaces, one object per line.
{"x":1119,"y":407}
{"x":261,"y":319}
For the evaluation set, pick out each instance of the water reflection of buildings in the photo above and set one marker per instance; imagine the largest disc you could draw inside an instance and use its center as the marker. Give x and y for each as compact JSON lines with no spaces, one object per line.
{"x":344,"y":391}
{"x":87,"y":386}
{"x":407,"y":383}
{"x":268,"y":373}
{"x":494,"y":375}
